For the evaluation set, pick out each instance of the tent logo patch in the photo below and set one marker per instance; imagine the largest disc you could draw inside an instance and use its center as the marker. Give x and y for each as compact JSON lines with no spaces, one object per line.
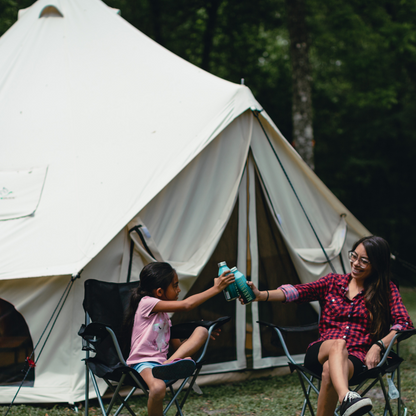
{"x":5,"y":193}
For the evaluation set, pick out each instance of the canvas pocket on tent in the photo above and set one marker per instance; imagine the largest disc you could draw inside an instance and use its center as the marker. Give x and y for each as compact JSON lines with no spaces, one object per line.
{"x":317,"y":255}
{"x":21,"y":192}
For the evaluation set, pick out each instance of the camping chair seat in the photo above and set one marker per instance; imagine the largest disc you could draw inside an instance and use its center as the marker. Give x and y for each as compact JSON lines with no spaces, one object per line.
{"x":310,"y":381}
{"x":104,"y":304}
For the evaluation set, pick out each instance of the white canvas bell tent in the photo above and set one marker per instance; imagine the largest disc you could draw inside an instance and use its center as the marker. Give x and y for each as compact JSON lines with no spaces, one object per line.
{"x":102,"y":130}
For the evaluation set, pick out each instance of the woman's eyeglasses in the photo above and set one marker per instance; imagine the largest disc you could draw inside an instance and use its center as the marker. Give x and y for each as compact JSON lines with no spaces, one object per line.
{"x":363,"y":262}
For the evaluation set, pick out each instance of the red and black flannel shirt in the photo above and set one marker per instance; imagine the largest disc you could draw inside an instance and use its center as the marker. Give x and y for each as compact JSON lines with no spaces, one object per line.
{"x":342,"y":318}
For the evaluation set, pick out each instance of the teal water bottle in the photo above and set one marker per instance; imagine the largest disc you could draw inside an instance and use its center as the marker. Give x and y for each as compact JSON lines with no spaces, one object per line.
{"x":230,"y":292}
{"x":243,"y":288}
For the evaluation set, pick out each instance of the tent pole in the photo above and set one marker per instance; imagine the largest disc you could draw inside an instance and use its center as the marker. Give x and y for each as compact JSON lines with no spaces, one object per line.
{"x":87,"y":374}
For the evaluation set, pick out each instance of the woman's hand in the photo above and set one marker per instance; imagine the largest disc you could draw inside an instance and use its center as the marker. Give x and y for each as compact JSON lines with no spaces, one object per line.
{"x":223,"y":281}
{"x":373,"y":357}
{"x":256,"y":292}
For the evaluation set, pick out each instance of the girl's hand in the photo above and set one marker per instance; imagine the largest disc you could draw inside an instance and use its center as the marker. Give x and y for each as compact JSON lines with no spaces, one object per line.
{"x":223,"y":281}
{"x":215,"y":333}
{"x":255,"y":291}
{"x":373,"y":357}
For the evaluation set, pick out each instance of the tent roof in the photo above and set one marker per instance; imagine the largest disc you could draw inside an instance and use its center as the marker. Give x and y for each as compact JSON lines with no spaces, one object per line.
{"x":104,"y":118}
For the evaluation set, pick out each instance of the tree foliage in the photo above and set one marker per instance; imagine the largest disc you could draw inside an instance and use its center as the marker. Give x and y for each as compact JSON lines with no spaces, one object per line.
{"x":363,"y":63}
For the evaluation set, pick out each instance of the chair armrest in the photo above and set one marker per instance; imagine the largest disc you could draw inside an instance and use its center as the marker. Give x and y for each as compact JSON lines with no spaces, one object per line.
{"x":404,"y":334}
{"x":304,"y":328}
{"x":185,"y":329}
{"x":93,"y":332}
{"x":400,"y":335}
{"x":96,"y":332}
{"x":279,"y":330}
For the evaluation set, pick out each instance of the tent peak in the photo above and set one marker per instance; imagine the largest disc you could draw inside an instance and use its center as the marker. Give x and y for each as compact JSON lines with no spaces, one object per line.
{"x":50,"y":11}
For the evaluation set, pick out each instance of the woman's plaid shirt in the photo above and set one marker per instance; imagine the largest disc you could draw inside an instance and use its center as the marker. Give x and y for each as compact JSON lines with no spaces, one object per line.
{"x":342,"y":318}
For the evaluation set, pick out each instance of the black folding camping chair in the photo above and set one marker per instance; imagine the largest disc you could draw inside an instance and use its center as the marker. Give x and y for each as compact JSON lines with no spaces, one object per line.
{"x":389,"y":365}
{"x":105,"y":304}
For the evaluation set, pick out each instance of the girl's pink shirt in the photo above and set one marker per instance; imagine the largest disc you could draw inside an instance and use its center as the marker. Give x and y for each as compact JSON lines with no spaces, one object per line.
{"x":151,"y":333}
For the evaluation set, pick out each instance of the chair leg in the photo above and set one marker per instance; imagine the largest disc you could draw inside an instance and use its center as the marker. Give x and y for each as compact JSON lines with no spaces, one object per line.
{"x":175,"y":397}
{"x":87,"y":390}
{"x":97,"y":392}
{"x":116,"y":395}
{"x":305,"y":393}
{"x":386,"y":396}
{"x":305,"y":402}
{"x":124,"y":403}
{"x":194,"y":377}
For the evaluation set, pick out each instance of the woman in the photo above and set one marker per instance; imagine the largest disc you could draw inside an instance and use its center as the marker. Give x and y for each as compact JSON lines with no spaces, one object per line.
{"x":360,"y":314}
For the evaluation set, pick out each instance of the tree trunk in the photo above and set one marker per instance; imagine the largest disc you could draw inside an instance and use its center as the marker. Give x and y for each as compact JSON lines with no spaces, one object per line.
{"x":156,"y":15}
{"x":302,"y":113}
{"x":212,"y":10}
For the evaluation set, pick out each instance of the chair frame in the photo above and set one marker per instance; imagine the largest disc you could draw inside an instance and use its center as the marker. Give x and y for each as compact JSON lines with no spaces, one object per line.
{"x":92,"y":332}
{"x":308,"y":379}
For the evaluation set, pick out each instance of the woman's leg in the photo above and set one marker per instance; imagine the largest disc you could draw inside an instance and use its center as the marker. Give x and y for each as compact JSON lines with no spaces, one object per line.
{"x":191,"y":345}
{"x":337,"y":370}
{"x":157,"y":391}
{"x":328,"y":397}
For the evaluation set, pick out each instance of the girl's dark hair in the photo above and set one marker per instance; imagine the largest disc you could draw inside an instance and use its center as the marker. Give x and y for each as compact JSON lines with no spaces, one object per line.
{"x":153,"y":276}
{"x":377,"y":285}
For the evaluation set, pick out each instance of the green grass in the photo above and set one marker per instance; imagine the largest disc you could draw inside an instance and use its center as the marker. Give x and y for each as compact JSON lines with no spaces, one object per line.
{"x":266,"y":396}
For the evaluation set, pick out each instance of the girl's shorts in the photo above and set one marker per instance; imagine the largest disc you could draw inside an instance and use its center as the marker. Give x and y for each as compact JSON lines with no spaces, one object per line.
{"x":139,"y":367}
{"x":312,"y":363}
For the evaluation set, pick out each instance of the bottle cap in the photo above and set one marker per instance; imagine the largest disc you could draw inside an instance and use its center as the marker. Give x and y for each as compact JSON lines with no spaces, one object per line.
{"x":222,"y":263}
{"x":233,"y":269}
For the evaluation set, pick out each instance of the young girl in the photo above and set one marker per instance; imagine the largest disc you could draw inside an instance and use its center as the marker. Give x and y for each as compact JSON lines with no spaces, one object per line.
{"x":149,"y":325}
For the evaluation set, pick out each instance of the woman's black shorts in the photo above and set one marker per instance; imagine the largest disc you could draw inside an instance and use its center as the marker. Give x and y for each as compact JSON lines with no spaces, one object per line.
{"x":312,"y":363}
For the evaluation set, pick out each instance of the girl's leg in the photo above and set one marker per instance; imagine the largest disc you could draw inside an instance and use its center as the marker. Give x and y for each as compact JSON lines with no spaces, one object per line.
{"x":157,"y":391}
{"x":191,"y":345}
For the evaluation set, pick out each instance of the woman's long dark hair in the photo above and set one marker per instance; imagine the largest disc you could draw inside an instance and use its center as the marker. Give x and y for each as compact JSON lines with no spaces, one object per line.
{"x":153,"y":276}
{"x":377,"y":285}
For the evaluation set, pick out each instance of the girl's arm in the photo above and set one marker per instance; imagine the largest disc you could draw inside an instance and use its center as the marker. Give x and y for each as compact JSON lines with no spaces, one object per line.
{"x":220,"y":283}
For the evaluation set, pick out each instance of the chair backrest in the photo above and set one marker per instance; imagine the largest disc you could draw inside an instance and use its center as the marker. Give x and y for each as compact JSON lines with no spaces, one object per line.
{"x":106,"y":302}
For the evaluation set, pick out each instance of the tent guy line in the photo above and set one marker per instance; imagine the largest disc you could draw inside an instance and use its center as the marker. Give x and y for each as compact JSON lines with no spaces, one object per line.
{"x":256,"y":114}
{"x":60,"y":305}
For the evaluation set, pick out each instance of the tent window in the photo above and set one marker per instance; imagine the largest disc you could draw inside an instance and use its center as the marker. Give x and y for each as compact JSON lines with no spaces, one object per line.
{"x":50,"y":11}
{"x":225,"y":347}
{"x":15,"y":345}
{"x":276,"y":268}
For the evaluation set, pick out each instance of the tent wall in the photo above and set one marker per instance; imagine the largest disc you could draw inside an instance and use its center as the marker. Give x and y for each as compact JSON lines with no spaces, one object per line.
{"x":187,"y":218}
{"x":59,"y":374}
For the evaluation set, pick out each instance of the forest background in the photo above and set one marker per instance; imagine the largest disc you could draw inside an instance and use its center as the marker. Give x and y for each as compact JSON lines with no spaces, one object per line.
{"x":362,"y":77}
